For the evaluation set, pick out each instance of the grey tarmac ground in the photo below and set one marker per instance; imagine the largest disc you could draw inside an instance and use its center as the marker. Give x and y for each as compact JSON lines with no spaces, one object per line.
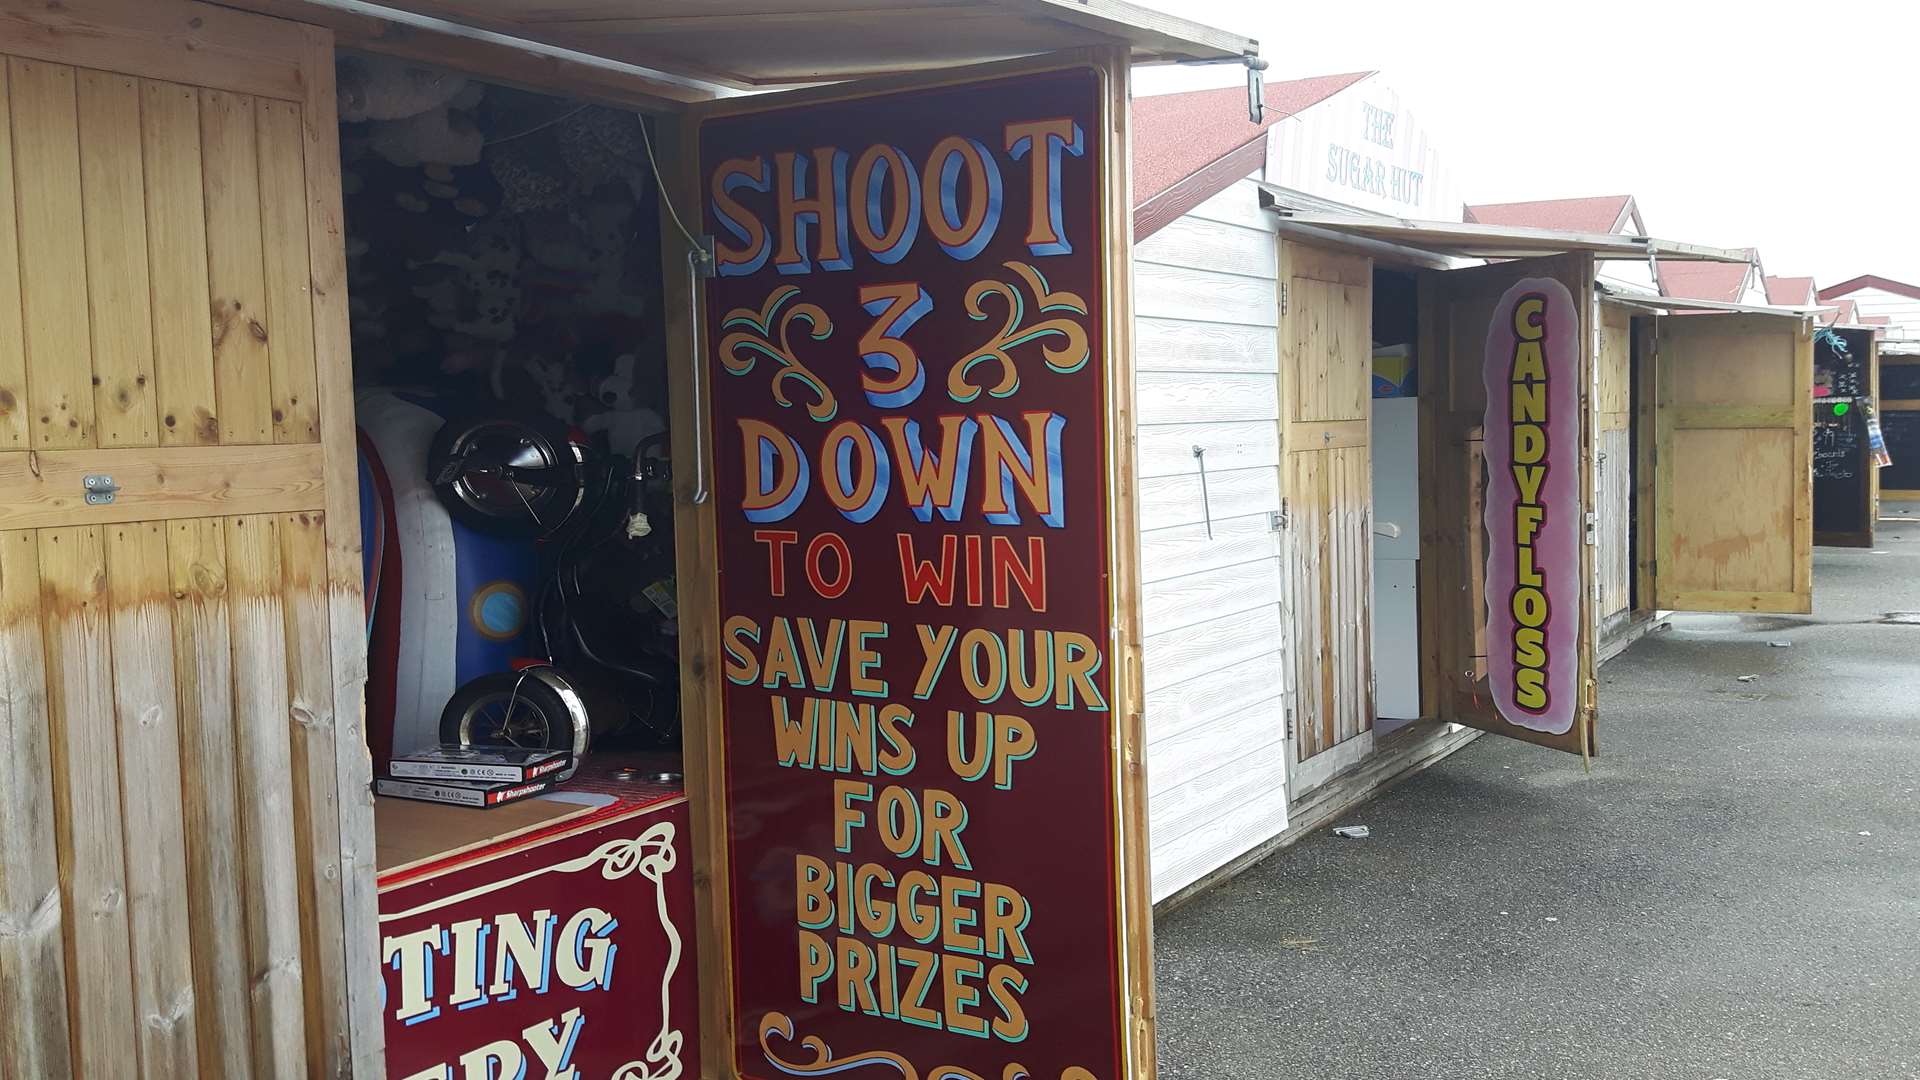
{"x":1734,"y":891}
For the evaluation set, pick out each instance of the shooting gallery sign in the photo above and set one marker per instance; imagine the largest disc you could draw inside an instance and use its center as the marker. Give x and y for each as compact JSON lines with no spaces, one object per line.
{"x":906,"y":349}
{"x":1533,"y":521}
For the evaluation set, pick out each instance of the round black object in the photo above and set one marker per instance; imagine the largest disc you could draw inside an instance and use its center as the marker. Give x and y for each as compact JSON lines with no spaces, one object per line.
{"x":509,"y":708}
{"x":512,"y":476}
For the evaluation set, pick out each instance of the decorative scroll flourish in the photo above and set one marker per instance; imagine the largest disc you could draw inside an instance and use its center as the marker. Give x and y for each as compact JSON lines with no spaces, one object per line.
{"x":654,"y":856}
{"x":1066,"y":355}
{"x":755,"y":334}
{"x":890,"y":1064}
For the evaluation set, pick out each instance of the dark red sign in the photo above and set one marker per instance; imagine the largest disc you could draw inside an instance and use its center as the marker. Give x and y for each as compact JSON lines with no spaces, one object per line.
{"x":563,"y":955}
{"x":909,"y":388}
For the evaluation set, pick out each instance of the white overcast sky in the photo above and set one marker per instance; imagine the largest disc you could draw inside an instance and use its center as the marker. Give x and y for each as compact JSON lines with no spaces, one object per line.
{"x":1790,"y":127}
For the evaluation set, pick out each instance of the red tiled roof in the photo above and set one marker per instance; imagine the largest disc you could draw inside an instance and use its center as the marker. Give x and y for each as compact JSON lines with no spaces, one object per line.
{"x":1789,"y":290}
{"x":1871,"y":281}
{"x":1177,"y":135}
{"x":1599,"y":214}
{"x":1846,"y":312}
{"x":1876,"y":320}
{"x":1706,"y":280}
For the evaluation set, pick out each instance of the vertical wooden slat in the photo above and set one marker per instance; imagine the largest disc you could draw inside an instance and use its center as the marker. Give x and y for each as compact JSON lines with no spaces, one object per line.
{"x":33,"y":981}
{"x":147,"y":714}
{"x":242,"y":377}
{"x":264,"y":760}
{"x":333,"y":369}
{"x":203,"y":670}
{"x":14,"y":430}
{"x":283,"y":218}
{"x":112,"y":189}
{"x":86,"y":786}
{"x":303,"y":550}
{"x":177,"y":256}
{"x":53,"y":277}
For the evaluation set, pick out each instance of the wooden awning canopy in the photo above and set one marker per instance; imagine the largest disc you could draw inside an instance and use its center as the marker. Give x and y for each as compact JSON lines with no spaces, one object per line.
{"x":689,"y":50}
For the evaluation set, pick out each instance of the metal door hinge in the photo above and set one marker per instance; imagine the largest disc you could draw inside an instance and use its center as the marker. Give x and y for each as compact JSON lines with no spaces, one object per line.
{"x":1283,"y":298}
{"x":1289,"y":722}
{"x":1279,"y":519}
{"x":100,"y":489}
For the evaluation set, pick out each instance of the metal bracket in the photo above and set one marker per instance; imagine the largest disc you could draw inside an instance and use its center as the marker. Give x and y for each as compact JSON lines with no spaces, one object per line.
{"x":1279,"y":519}
{"x":100,"y":489}
{"x":1206,"y":509}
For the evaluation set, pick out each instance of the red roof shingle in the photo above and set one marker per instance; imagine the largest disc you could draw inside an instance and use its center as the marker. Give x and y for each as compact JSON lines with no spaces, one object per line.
{"x":1597,"y":214}
{"x":1792,"y":291}
{"x":1177,"y":135}
{"x":1706,"y":280}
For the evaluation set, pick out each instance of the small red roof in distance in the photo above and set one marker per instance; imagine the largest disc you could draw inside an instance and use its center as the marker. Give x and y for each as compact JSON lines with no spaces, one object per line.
{"x":1177,"y":135}
{"x":1704,"y":280}
{"x":1789,"y":290}
{"x":1847,"y":313}
{"x":1876,"y":320}
{"x":1598,"y":214}
{"x":1871,"y":281}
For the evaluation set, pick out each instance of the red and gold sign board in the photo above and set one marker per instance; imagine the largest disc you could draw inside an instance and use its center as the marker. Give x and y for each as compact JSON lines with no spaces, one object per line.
{"x":908,"y":369}
{"x":564,"y":951}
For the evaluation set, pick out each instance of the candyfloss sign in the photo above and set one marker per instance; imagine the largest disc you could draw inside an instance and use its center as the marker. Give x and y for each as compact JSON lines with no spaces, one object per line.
{"x":1532,"y":431}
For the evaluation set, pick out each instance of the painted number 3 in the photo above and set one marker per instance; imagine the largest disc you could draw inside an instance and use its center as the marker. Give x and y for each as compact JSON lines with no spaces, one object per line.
{"x":901,"y":377}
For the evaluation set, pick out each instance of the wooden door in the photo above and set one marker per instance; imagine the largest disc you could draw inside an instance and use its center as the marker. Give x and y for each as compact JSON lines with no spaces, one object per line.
{"x":1614,"y":465}
{"x":183,"y":890}
{"x":1456,"y":307}
{"x":1326,"y":397}
{"x":1733,"y":446}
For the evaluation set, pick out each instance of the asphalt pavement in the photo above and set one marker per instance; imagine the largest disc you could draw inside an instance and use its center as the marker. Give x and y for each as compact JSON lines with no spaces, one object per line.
{"x":1733,"y":891}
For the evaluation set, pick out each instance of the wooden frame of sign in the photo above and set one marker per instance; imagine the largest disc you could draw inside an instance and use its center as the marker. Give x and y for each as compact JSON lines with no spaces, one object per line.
{"x":700,"y":540}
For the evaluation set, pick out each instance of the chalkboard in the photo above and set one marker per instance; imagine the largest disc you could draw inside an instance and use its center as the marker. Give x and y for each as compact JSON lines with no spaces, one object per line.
{"x":1838,"y":448}
{"x":1902,"y":431}
{"x":1899,"y":382}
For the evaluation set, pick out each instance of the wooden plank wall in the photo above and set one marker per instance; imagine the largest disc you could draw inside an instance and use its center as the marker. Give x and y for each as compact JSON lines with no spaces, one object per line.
{"x":1206,"y":305}
{"x":173,"y":874}
{"x":1613,"y":439}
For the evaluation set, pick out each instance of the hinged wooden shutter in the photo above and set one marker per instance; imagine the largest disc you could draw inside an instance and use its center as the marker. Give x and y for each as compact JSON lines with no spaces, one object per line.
{"x":183,"y":889}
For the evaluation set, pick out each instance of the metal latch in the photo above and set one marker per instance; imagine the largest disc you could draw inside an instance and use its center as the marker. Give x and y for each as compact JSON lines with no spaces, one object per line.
{"x":1279,"y":519}
{"x":100,"y":489}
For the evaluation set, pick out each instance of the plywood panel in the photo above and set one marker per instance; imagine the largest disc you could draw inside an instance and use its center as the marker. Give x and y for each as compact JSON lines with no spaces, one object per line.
{"x":1311,"y":603}
{"x":177,"y":255}
{"x":1168,"y":344}
{"x":263,"y":759}
{"x":1729,"y":540}
{"x":242,"y":373}
{"x":113,"y":192}
{"x":53,"y":295}
{"x":1613,"y":364}
{"x":147,"y":711}
{"x":14,"y":429}
{"x":1179,"y":293}
{"x":86,"y":787}
{"x":203,"y":671}
{"x":33,"y":968}
{"x":1733,"y":522}
{"x":289,"y":302}
{"x":1614,"y":559}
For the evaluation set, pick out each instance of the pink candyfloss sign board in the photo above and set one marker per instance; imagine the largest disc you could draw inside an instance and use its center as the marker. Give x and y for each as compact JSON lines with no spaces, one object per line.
{"x":1533,"y":505}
